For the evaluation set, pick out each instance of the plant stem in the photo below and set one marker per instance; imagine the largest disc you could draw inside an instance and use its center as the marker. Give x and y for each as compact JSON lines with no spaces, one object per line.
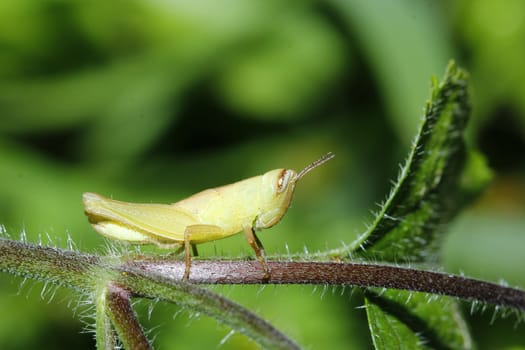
{"x":105,"y":334}
{"x":194,"y":297}
{"x":80,"y":271}
{"x":58,"y":266}
{"x":357,"y":274}
{"x":123,"y":317}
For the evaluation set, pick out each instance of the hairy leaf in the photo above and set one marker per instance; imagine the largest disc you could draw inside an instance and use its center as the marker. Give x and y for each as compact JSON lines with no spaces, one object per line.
{"x":410,"y":320}
{"x":430,"y":190}
{"x":427,"y":193}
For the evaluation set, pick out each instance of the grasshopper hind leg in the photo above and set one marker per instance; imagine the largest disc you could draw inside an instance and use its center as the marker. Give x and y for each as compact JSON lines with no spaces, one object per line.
{"x":195,"y":252}
{"x":187,"y":253}
{"x":198,"y":233}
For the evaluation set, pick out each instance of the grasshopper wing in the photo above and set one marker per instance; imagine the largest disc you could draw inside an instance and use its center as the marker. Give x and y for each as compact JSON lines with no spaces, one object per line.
{"x":158,"y":222}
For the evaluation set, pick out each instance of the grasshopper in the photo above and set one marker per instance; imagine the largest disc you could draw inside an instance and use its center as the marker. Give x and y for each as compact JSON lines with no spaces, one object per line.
{"x":249,"y":205}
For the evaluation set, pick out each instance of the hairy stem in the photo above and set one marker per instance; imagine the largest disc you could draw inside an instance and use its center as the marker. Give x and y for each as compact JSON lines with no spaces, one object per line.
{"x":357,"y":274}
{"x":123,"y":317}
{"x":79,"y":271}
{"x":226,"y":311}
{"x":106,"y":339}
{"x":63,"y":267}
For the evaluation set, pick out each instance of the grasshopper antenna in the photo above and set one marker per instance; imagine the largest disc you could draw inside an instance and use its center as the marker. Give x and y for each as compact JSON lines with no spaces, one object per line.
{"x":314,"y":165}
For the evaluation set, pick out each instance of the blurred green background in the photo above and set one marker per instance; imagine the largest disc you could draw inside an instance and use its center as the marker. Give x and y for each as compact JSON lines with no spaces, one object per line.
{"x":154,"y":100}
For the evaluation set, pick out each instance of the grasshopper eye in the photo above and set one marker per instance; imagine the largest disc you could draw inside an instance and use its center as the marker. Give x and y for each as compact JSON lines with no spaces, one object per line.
{"x":283,"y":180}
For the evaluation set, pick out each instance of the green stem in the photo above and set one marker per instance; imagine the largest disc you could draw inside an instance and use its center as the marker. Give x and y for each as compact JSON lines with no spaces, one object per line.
{"x":105,"y":276}
{"x":62,"y":267}
{"x":195,"y":298}
{"x":104,"y":330}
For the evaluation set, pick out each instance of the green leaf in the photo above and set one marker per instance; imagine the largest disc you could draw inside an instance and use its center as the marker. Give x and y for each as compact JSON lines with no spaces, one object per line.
{"x":410,"y":320}
{"x":387,"y":331}
{"x":427,"y":193}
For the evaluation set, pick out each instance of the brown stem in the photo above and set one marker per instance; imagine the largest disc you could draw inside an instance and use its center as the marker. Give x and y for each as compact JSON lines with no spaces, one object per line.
{"x":72,"y":269}
{"x":124,"y":319}
{"x":358,"y":274}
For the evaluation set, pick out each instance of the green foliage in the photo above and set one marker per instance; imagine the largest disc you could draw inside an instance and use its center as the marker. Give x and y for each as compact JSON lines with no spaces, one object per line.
{"x":394,"y":65}
{"x":408,"y":227}
{"x":397,"y":319}
{"x":408,"y":320}
{"x":488,"y":29}
{"x":152,"y":101}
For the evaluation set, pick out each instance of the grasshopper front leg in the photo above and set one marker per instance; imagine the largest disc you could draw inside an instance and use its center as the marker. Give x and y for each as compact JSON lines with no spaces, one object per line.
{"x":255,"y":243}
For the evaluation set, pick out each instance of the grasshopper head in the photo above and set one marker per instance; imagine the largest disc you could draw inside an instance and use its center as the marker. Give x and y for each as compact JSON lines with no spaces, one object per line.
{"x":277,"y":190}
